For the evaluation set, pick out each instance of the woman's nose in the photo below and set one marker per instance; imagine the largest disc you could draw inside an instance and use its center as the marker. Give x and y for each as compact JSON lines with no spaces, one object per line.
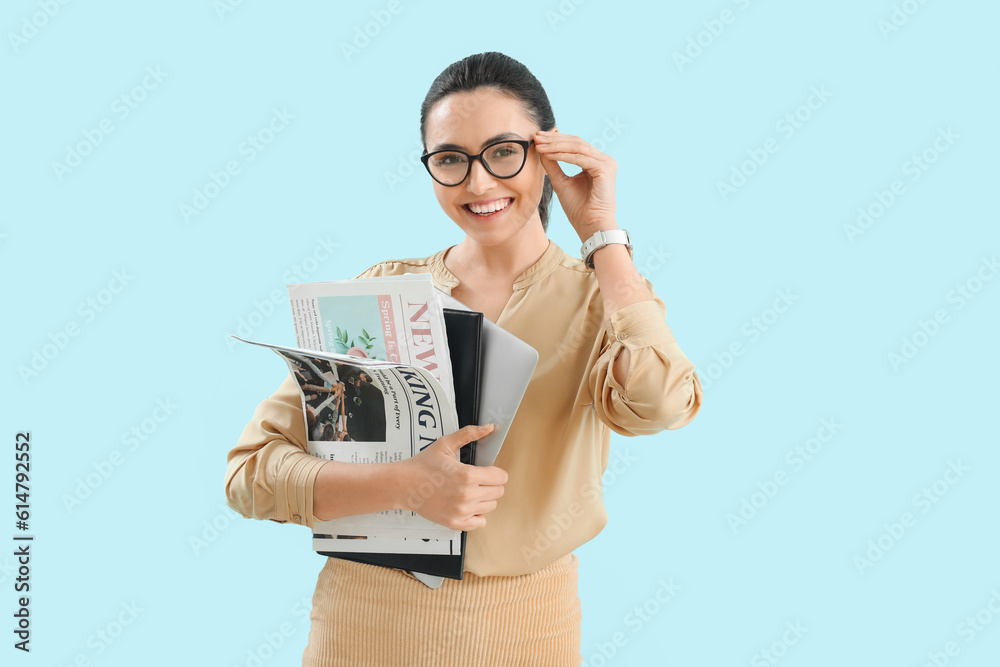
{"x":480,"y":180}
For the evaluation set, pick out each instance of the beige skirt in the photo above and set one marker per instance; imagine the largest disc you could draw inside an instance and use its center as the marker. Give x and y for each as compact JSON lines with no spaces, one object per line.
{"x":370,"y":615}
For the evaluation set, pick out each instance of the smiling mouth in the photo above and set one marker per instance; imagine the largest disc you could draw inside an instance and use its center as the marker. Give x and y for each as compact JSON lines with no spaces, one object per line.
{"x":486,"y":210}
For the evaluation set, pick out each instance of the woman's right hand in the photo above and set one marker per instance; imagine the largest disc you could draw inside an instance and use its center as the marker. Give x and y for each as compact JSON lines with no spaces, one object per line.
{"x":439,"y":487}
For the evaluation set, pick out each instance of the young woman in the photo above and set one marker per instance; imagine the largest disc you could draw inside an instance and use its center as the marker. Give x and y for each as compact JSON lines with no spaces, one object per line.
{"x":607,"y":362}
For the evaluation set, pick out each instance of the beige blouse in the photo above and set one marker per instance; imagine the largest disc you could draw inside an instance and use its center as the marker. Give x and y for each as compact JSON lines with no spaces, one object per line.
{"x":557,"y":448}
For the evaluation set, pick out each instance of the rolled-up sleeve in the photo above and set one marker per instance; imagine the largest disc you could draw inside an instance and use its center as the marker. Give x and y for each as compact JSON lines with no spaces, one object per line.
{"x":269,"y":474}
{"x":662,"y":389}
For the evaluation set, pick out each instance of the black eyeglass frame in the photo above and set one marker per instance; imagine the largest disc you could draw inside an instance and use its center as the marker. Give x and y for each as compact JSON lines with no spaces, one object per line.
{"x":523,"y":143}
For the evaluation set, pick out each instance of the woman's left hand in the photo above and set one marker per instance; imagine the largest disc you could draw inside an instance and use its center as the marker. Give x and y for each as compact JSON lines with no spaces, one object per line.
{"x":588,"y":198}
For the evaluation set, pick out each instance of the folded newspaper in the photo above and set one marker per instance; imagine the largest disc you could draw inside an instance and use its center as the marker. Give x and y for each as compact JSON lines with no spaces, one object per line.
{"x":374,"y":371}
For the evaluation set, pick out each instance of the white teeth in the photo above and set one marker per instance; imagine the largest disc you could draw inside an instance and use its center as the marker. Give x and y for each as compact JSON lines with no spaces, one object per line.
{"x":492,"y":207}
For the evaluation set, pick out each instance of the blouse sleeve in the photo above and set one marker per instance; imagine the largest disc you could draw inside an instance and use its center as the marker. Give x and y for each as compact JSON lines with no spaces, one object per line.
{"x":662,"y":389}
{"x":269,"y":474}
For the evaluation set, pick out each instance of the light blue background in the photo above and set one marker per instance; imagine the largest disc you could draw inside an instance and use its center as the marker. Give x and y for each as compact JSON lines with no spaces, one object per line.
{"x":675,"y":131}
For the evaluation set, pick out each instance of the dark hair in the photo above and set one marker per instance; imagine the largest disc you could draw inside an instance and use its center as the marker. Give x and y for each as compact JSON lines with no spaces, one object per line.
{"x":509,"y":77}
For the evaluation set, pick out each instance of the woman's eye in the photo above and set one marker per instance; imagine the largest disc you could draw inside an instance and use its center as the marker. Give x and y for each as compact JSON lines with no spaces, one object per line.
{"x":503,"y":151}
{"x":448,"y":160}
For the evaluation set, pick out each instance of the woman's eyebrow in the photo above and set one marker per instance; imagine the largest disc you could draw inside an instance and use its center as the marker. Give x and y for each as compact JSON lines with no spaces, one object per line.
{"x":491,"y":140}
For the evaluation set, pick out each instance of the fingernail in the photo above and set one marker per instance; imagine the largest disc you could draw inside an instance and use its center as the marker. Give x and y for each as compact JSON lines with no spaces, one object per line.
{"x":485,"y":427}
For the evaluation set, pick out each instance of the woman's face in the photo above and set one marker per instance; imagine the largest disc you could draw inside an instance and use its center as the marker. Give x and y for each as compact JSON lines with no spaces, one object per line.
{"x":470,"y":121}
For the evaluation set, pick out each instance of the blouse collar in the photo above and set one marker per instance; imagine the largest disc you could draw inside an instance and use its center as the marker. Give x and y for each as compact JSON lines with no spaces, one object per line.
{"x":541,"y":268}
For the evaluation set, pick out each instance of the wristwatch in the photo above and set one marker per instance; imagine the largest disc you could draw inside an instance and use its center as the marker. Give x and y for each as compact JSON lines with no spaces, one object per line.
{"x":601,"y":239}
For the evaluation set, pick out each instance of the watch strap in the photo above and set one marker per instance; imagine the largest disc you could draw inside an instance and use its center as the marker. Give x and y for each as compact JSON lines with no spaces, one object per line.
{"x":601,"y":239}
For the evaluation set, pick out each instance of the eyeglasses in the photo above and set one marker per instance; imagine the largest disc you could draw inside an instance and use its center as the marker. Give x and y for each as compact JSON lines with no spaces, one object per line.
{"x":504,"y":159}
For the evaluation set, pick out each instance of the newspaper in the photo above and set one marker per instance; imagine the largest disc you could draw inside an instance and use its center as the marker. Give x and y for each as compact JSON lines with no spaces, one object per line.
{"x":374,"y":371}
{"x":397,"y":320}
